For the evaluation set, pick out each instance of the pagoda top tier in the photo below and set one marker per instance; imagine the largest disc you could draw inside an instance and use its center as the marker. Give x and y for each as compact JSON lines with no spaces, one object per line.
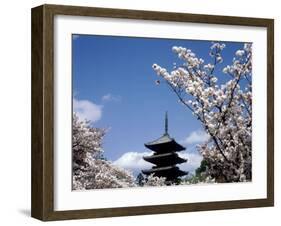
{"x":164,"y":143}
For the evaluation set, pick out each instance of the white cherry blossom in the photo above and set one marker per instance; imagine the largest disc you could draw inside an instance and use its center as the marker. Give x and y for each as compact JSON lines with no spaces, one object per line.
{"x":90,"y":170}
{"x":224,"y":109}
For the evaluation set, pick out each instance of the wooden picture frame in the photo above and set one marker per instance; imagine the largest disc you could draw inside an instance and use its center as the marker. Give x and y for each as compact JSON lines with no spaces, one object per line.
{"x":42,"y":203}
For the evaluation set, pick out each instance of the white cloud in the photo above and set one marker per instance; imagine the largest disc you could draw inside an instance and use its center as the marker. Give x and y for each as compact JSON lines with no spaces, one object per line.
{"x":133,"y":161}
{"x":193,"y":161}
{"x":110,"y":97}
{"x":198,"y":136}
{"x":86,"y":109}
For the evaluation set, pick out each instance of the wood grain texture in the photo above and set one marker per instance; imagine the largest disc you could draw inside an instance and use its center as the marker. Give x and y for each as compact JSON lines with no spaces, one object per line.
{"x":270,"y":111}
{"x":42,"y":113}
{"x":37,"y":159}
{"x":43,"y":106}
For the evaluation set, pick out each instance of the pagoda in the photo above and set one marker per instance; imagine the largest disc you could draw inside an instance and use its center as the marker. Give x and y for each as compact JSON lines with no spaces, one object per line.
{"x":165,"y":157}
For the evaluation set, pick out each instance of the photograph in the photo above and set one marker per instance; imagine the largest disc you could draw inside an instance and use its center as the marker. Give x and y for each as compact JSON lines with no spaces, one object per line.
{"x":138,"y":112}
{"x":160,"y":112}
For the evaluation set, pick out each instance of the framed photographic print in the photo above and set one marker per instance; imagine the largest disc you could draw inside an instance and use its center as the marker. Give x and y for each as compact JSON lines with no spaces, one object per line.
{"x":141,"y":112}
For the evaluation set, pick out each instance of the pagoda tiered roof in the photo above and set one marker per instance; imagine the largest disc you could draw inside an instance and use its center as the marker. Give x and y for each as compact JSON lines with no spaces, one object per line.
{"x":165,"y":157}
{"x":169,"y":172}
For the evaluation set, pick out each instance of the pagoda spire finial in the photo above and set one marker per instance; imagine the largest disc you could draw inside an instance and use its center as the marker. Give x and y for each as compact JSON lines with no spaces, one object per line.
{"x":166,"y":122}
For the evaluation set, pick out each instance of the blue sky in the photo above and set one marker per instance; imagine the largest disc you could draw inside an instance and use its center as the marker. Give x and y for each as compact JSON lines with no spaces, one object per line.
{"x":114,"y":86}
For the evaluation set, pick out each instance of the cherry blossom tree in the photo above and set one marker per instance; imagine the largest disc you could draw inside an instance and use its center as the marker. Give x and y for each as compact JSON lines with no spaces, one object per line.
{"x":90,"y":169}
{"x":152,"y":180}
{"x":223,"y":108}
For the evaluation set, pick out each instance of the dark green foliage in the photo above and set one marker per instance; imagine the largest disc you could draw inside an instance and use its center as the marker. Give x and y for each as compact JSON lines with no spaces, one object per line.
{"x":202,"y":168}
{"x":140,"y":179}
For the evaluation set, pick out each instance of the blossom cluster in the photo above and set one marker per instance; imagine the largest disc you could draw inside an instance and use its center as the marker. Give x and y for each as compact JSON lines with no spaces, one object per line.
{"x":90,"y":169}
{"x":153,"y":180}
{"x":224,"y":109}
{"x":101,"y":174}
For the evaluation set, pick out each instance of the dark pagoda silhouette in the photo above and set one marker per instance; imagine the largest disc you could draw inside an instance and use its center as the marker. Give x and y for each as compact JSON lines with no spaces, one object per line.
{"x":165,"y":157}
